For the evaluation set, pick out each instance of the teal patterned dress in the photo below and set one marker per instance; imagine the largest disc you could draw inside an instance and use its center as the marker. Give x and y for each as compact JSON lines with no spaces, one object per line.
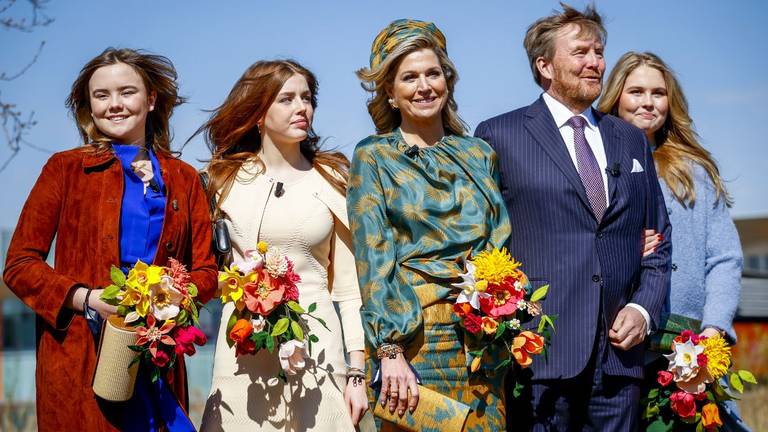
{"x":413,"y":220}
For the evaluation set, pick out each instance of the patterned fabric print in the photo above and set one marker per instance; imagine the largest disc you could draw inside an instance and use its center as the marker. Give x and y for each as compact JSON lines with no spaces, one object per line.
{"x":439,"y":358}
{"x":413,"y":220}
{"x":400,"y":30}
{"x":589,"y":170}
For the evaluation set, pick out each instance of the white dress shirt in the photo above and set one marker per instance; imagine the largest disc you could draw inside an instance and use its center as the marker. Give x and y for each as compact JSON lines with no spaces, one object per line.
{"x":562,"y":114}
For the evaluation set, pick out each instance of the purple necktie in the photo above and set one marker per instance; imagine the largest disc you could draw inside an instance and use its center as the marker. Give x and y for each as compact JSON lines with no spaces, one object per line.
{"x":589,"y":170}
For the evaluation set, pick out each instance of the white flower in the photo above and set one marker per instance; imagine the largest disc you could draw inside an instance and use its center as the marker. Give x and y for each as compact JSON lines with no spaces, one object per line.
{"x":165,"y":299}
{"x":468,"y":285}
{"x":292,"y":356}
{"x":258,"y":323}
{"x":514,"y":323}
{"x":683,"y":361}
{"x":252,"y":260}
{"x":275,"y":262}
{"x":521,"y":305}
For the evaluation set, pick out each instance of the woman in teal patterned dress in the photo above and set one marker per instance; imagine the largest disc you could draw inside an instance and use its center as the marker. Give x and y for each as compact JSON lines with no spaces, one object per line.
{"x":422,"y":196}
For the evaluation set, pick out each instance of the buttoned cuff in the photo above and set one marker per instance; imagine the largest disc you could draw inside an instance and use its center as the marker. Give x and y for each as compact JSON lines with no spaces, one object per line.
{"x":645,"y":315}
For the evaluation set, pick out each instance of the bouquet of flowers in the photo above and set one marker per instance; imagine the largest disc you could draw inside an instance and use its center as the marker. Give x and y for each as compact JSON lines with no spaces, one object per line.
{"x":689,"y":394}
{"x":495,"y":303}
{"x":262,"y":287}
{"x":159,"y":304}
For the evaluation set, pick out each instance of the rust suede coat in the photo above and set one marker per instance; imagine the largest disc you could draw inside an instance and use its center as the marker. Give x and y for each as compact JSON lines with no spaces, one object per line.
{"x":77,"y":199}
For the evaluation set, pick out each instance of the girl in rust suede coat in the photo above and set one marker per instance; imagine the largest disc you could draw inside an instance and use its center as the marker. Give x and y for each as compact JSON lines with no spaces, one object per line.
{"x":77,"y":199}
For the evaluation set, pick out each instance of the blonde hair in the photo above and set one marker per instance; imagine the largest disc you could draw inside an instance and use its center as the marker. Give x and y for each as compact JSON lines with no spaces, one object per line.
{"x":379,"y":81}
{"x":540,"y":37}
{"x":677,"y":142}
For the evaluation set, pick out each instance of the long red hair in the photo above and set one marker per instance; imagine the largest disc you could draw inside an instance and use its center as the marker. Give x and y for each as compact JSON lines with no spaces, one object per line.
{"x":232,"y":132}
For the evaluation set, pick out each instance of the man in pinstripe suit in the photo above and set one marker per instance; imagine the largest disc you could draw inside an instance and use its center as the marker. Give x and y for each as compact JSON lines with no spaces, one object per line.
{"x":580,"y":188}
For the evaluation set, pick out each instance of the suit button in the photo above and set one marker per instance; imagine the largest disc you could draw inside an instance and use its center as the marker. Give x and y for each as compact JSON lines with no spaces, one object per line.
{"x":595,"y":278}
{"x":600,"y":235}
{"x":169,"y":246}
{"x":674,"y":267}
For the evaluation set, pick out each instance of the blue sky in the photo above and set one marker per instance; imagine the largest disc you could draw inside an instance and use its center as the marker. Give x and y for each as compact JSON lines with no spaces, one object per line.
{"x":716,"y":47}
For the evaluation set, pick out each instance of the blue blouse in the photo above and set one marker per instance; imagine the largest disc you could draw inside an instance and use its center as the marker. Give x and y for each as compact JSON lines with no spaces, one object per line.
{"x":141,"y":215}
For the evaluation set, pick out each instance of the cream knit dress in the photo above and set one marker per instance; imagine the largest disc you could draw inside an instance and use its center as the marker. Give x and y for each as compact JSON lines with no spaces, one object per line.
{"x":309,"y":224}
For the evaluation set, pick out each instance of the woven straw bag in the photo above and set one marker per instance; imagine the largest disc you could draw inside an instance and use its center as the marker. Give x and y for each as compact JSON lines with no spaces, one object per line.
{"x":113,"y":380}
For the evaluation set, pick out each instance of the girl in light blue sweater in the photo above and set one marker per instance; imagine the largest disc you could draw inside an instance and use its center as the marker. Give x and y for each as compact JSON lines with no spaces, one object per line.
{"x":706,"y":252}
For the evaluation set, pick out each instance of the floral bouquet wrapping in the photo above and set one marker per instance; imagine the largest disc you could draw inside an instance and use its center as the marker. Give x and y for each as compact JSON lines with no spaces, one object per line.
{"x":495,"y":304}
{"x":159,"y":304}
{"x":263,"y":289}
{"x":689,"y":394}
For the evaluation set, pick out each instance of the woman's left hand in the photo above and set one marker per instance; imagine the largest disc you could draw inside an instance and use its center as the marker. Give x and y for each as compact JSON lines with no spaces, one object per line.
{"x":710,"y":332}
{"x":356,"y":400}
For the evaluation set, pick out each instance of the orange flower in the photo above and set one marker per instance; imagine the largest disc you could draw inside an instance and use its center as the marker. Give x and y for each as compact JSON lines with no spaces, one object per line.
{"x":710,"y":416}
{"x":490,"y":325}
{"x":462,"y":309}
{"x":263,"y":295}
{"x":476,"y":364}
{"x":525,"y":344}
{"x":241,"y":331}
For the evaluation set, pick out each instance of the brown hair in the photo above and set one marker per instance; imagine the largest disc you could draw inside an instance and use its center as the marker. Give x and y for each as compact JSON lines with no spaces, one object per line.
{"x":232,"y":132}
{"x":677,"y":141}
{"x":158,"y":75}
{"x":379,"y":82}
{"x":540,"y":37}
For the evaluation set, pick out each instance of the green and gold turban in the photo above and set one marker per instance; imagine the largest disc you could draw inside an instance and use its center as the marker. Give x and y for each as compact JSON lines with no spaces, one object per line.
{"x":400,"y":30}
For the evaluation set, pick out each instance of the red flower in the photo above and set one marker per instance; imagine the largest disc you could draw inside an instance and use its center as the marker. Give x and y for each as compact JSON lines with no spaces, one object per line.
{"x":503,"y":299}
{"x":683,"y":404}
{"x":263,"y":295}
{"x":473,"y":323}
{"x":291,"y":292}
{"x":462,"y":309}
{"x":153,"y":335}
{"x":247,"y":346}
{"x":664,"y":378}
{"x":186,"y":338}
{"x":179,"y":274}
{"x":161,"y":358}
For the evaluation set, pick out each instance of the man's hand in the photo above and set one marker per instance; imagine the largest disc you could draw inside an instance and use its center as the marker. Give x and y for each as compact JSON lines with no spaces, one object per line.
{"x":628,"y":329}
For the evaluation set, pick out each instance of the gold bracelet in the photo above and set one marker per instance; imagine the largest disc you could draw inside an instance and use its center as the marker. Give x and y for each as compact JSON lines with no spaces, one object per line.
{"x":389,"y":350}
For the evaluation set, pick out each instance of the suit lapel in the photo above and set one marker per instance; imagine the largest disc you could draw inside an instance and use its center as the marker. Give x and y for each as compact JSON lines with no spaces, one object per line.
{"x":613,"y":153}
{"x":541,"y":125}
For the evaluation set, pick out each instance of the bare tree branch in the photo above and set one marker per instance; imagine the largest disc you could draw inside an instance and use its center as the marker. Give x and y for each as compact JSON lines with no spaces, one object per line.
{"x":14,"y":123}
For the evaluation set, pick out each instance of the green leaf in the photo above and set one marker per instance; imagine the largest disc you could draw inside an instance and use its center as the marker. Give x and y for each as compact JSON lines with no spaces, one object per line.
{"x":136,"y":348}
{"x":312,"y":308}
{"x":110,"y":293}
{"x":135,"y":360}
{"x":539,"y":294}
{"x":313,"y":338}
{"x":651,"y":411}
{"x":192,"y":290}
{"x":230,"y":324}
{"x":519,"y":387}
{"x":747,"y":376}
{"x":322,"y":322}
{"x":123,"y":310}
{"x":292,"y":305}
{"x":155,"y":374}
{"x":181,"y":318}
{"x":653,"y":393}
{"x":281,"y":326}
{"x":736,"y":383}
{"x":298,"y":332}
{"x":194,"y":312}
{"x":117,"y":276}
{"x":700,"y":427}
{"x":659,"y":426}
{"x":500,"y":329}
{"x":270,"y":343}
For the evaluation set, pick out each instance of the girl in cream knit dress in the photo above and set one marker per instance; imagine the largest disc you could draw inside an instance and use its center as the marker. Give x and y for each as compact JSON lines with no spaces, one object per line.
{"x":305,"y":217}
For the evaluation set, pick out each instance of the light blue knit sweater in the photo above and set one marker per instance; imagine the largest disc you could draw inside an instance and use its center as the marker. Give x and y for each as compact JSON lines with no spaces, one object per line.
{"x":706,"y":257}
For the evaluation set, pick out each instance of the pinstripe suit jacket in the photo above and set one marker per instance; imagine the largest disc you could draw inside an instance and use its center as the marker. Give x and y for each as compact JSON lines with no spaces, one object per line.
{"x":560,"y":242}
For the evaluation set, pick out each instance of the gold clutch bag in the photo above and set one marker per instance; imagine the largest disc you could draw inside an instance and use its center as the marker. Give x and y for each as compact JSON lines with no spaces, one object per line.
{"x":434,"y":411}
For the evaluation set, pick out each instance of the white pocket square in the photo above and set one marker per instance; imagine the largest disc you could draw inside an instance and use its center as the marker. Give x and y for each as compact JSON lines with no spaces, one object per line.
{"x":636,"y":167}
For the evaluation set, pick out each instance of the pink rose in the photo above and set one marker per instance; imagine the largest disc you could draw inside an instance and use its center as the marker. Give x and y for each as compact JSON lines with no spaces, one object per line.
{"x":664,"y":378}
{"x":161,"y":358}
{"x":186,"y":339}
{"x":684,"y":404}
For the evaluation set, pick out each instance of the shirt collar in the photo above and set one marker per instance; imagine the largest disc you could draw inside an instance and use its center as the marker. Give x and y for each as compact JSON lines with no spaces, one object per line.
{"x":562,"y":114}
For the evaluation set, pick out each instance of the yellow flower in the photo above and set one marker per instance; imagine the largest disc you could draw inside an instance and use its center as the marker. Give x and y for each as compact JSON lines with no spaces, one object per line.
{"x":495,"y":266}
{"x":718,"y":355}
{"x":476,"y":364}
{"x":262,"y":247}
{"x":231,"y":285}
{"x":137,"y":276}
{"x":490,"y":325}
